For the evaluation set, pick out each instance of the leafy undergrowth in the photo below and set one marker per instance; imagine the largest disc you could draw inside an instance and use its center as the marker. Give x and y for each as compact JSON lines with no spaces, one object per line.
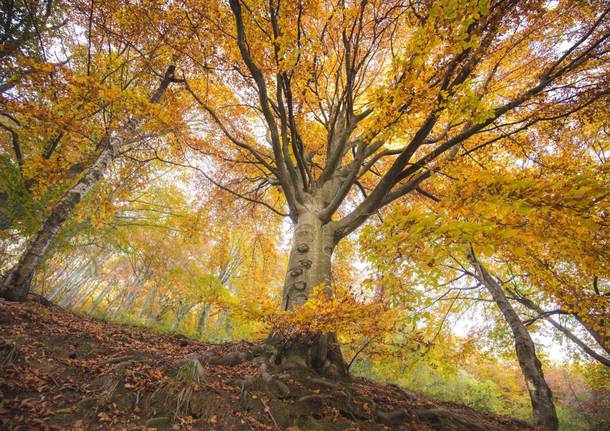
{"x":62,"y":371}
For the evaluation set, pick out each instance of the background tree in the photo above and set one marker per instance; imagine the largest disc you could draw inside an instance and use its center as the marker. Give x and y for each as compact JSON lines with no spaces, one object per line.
{"x":538,"y":206}
{"x":93,"y":106}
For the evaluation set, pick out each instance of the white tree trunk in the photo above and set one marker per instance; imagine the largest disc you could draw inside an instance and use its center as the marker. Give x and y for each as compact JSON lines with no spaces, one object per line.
{"x":17,"y":284}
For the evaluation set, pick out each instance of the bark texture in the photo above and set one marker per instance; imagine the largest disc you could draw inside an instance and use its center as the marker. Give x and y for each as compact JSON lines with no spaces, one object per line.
{"x":310,"y":261}
{"x":309,"y":266}
{"x":541,"y":396}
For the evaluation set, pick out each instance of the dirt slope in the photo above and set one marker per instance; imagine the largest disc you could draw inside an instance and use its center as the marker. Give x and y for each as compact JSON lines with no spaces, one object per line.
{"x":60,"y":371}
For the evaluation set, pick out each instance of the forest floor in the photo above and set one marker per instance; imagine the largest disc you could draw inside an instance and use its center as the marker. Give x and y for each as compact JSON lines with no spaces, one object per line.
{"x":61,"y":371}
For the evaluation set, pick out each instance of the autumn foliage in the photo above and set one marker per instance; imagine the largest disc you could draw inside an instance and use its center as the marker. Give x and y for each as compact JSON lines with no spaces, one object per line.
{"x":411,"y":190}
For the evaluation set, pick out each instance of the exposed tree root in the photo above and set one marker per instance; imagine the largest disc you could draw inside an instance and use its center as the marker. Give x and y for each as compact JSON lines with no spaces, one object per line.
{"x":394,"y":417}
{"x":273,"y":376}
{"x":105,"y":375}
{"x":442,"y":418}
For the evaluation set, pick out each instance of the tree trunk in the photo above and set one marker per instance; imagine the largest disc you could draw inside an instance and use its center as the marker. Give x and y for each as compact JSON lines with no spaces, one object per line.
{"x":81,"y":299}
{"x":540,"y":393}
{"x":202,"y":319}
{"x":309,"y":266}
{"x":98,"y":300}
{"x":145,"y":310}
{"x":181,"y":313}
{"x":124,"y":295}
{"x":310,"y":259}
{"x":16,"y":285}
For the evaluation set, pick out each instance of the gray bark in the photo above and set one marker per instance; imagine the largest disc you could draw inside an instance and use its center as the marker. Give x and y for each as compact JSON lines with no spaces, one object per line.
{"x":148,"y":301}
{"x":97,"y":301}
{"x":16,"y":285}
{"x":309,"y":266}
{"x":223,"y":322}
{"x":310,"y":259}
{"x":73,"y":291}
{"x":541,"y":396}
{"x":205,"y":311}
{"x":81,"y":299}
{"x":128,"y":302}
{"x":181,"y":312}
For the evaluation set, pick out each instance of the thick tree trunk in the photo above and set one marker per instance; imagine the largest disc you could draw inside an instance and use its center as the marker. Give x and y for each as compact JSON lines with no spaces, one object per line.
{"x":309,"y":266}
{"x":541,"y":396}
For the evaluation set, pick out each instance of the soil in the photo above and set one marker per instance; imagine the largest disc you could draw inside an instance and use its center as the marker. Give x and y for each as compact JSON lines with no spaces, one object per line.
{"x":62,"y":371}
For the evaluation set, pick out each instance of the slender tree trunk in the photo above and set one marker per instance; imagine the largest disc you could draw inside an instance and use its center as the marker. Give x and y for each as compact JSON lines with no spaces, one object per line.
{"x":177,"y":320}
{"x":148,"y":301}
{"x":129,"y":301}
{"x":63,"y":283}
{"x":181,"y":312}
{"x":99,"y":298}
{"x":82,"y":299}
{"x":110,"y":306}
{"x":52,"y":281}
{"x":16,"y":285}
{"x":157,"y":315}
{"x":309,"y":266}
{"x":205,"y":311}
{"x":541,"y":396}
{"x":73,"y":292}
{"x":223,"y":322}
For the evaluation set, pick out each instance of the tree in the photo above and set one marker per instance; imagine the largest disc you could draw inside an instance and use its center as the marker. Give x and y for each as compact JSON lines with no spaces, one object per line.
{"x":363,"y":102}
{"x":537,"y":209}
{"x":540,"y":394}
{"x":99,"y":98}
{"x":327,"y":113}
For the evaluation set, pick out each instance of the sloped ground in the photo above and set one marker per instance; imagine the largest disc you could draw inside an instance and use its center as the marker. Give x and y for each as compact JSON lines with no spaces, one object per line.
{"x":60,"y":371}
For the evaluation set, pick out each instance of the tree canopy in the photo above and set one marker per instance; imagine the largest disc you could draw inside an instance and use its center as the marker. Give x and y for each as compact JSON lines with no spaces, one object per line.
{"x":339,"y":174}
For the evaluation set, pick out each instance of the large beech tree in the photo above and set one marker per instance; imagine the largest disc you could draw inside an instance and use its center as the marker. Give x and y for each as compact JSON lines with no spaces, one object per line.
{"x":326,"y":112}
{"x":349,"y":106}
